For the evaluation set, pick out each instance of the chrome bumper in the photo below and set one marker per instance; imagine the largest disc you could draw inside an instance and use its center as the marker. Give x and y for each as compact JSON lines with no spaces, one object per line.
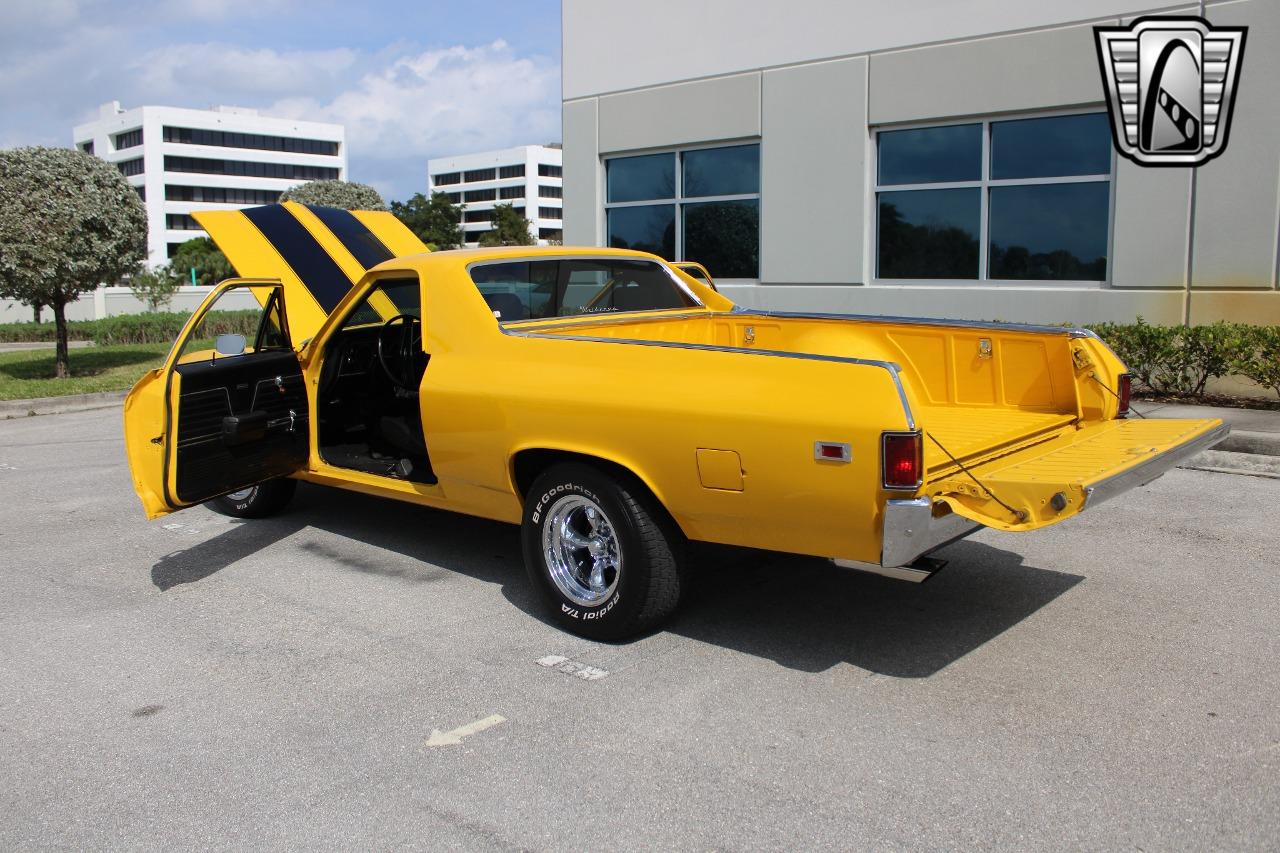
{"x":910,"y":532}
{"x":1156,"y":466}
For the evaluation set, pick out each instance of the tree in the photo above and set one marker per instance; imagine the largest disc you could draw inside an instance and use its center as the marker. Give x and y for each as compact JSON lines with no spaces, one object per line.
{"x":202,"y":255}
{"x":155,"y":287}
{"x":510,"y":228}
{"x":437,"y":221}
{"x":68,"y":223}
{"x":344,"y":194}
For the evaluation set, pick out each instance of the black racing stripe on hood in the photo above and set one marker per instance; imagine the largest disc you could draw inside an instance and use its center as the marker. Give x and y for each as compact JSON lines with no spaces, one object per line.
{"x":362,"y":243}
{"x":310,"y":262}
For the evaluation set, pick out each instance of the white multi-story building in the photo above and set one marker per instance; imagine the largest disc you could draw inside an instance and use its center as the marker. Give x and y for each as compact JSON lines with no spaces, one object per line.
{"x":184,"y":160}
{"x":527,"y":178}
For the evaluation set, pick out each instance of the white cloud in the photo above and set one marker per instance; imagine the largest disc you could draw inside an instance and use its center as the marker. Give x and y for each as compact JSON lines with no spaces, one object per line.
{"x":225,"y":73}
{"x":435,"y":103}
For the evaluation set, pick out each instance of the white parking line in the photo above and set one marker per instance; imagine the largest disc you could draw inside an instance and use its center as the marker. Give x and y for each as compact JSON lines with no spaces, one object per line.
{"x":455,"y":736}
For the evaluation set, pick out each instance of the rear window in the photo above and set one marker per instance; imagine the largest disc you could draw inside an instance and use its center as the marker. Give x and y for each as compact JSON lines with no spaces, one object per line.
{"x":532,"y":290}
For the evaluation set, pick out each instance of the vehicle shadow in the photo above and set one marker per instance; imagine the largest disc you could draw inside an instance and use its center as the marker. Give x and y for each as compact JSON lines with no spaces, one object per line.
{"x":805,"y":614}
{"x":801,"y":612}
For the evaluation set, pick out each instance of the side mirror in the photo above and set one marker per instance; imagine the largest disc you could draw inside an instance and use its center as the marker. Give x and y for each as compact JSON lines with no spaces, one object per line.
{"x":229,"y":344}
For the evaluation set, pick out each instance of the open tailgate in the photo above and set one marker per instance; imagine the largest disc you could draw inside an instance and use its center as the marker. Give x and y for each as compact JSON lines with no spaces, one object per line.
{"x":1077,"y":468}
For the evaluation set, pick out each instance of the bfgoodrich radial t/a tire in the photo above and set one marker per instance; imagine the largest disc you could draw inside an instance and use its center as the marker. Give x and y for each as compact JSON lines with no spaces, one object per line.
{"x":602,"y":554}
{"x":257,"y":501}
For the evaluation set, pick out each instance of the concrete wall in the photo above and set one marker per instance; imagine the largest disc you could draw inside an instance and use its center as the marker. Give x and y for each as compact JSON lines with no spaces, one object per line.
{"x":109,"y":301}
{"x":1197,"y":243}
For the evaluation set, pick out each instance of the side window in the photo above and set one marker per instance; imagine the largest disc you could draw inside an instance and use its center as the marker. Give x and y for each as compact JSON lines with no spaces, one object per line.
{"x":254,"y":312}
{"x":391,"y":297}
{"x":521,"y":290}
{"x":534,"y":290}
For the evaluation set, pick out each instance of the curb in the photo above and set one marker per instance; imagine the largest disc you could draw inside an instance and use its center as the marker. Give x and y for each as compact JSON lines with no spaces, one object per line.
{"x":1259,"y":443}
{"x":57,"y":405}
{"x":1230,"y":462}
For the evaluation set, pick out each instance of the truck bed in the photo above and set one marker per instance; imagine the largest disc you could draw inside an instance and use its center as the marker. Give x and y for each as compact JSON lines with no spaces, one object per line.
{"x":974,"y":389}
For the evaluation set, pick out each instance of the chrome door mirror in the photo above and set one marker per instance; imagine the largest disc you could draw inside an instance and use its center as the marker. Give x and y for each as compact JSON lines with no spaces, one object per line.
{"x":229,"y":344}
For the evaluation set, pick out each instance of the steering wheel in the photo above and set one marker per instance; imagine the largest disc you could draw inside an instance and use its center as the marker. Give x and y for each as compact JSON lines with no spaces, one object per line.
{"x":396,"y":351}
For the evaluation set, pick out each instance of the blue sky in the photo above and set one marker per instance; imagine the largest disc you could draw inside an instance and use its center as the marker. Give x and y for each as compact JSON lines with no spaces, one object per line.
{"x":409,"y":80}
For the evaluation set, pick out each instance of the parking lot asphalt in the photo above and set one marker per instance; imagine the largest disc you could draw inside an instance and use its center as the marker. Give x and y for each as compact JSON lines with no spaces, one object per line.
{"x":360,"y":673}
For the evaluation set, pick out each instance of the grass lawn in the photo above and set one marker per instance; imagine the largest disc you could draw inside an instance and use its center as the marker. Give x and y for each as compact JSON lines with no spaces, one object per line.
{"x":29,"y":373}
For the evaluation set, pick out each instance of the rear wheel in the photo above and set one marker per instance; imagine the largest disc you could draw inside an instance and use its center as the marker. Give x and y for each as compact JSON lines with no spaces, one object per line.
{"x":257,"y":501}
{"x":601,"y":552}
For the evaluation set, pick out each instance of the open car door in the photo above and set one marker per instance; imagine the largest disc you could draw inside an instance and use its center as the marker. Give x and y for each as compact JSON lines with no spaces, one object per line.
{"x":227,"y":410}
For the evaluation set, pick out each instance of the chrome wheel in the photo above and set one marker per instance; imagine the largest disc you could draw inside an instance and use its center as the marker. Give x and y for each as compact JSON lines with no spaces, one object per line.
{"x":241,"y":495}
{"x":582,"y":550}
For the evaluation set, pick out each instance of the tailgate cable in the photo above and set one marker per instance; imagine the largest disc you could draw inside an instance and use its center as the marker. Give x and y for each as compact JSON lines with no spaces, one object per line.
{"x":1094,"y":377}
{"x":1021,"y":515}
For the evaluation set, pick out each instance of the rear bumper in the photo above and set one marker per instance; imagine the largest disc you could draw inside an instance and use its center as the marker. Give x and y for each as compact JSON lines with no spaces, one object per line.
{"x":1156,"y":466}
{"x":911,"y":531}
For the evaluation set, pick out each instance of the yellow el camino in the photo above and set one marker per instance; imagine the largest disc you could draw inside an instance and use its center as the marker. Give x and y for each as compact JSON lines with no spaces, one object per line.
{"x":616,"y":408}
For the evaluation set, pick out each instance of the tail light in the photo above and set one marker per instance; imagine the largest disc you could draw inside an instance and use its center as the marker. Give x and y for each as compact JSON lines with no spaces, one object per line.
{"x":1124,"y":392}
{"x":902,"y":460}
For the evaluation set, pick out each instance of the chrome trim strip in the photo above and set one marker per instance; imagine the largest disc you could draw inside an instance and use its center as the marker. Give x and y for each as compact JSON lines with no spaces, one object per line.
{"x":660,"y":315}
{"x":910,"y":531}
{"x":919,"y":321}
{"x":895,"y":372}
{"x":1156,"y":466}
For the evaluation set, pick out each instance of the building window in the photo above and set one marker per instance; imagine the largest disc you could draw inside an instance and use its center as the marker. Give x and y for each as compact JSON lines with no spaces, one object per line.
{"x":220,"y":195}
{"x":553,"y":234}
{"x":474,"y":236}
{"x":511,"y":192}
{"x":130,"y":167}
{"x":256,"y":141}
{"x":548,"y":213}
{"x":200,"y":165}
{"x":87,"y":147}
{"x":142,"y":192}
{"x":700,"y":204}
{"x":511,"y":171}
{"x":454,"y":198}
{"x":479,"y":175}
{"x":1019,"y":199}
{"x":480,"y":195}
{"x":448,"y":178}
{"x":478,"y":216}
{"x":172,"y":250}
{"x":545,"y":191}
{"x":181,"y":222}
{"x":546,"y":170}
{"x":131,"y":139}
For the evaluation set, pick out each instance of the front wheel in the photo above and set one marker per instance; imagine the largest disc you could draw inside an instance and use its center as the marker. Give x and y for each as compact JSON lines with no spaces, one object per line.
{"x":257,"y":501}
{"x":601,"y":552}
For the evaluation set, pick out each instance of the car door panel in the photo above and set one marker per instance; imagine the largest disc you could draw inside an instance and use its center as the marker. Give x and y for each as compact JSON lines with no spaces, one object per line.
{"x":212,"y":455}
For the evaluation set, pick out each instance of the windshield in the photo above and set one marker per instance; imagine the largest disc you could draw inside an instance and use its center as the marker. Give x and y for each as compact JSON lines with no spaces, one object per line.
{"x":531,"y":290}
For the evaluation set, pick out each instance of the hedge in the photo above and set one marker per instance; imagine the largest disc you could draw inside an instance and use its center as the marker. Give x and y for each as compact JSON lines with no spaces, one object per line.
{"x":1183,"y":359}
{"x":149,"y":328}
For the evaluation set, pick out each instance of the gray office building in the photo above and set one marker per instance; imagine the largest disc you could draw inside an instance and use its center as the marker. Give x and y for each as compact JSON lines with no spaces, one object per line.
{"x":919,"y":158}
